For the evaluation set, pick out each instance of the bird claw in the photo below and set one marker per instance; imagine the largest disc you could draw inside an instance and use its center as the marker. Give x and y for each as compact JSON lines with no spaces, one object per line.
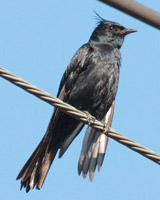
{"x":106,"y":128}
{"x":90,"y":118}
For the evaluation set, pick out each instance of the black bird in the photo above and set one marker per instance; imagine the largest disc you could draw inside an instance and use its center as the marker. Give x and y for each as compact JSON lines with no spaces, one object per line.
{"x":90,"y":84}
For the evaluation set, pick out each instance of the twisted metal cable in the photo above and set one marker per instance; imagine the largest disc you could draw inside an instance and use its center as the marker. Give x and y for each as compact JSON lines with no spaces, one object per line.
{"x":79,"y":115}
{"x":136,"y":10}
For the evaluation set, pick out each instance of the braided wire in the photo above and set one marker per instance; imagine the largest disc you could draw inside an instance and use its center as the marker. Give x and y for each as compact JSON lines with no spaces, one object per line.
{"x":79,"y":115}
{"x":136,"y":10}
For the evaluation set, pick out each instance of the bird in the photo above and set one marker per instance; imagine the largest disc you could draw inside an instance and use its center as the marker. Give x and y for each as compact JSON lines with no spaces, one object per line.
{"x":90,"y":84}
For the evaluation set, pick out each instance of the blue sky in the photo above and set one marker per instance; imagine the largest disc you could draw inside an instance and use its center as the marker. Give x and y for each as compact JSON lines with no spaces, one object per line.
{"x":37,"y":41}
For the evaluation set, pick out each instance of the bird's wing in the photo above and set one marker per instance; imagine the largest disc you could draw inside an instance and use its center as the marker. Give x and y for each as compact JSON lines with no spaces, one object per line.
{"x":36,"y":168}
{"x":76,"y":66}
{"x":94,"y":148}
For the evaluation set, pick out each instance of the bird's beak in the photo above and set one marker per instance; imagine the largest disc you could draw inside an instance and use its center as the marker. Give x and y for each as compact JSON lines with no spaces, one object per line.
{"x":127,"y":31}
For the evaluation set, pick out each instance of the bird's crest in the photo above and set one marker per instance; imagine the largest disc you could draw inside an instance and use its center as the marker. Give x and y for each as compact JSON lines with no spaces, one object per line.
{"x":98,"y":18}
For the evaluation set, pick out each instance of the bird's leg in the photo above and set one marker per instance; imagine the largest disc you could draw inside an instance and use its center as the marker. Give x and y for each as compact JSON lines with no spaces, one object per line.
{"x":90,"y":118}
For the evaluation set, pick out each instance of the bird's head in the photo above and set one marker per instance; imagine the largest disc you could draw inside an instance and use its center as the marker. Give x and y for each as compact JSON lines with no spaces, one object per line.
{"x":108,"y":32}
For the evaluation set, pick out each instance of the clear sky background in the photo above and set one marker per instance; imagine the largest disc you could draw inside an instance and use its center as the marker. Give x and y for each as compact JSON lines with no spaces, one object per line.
{"x":37,"y":41}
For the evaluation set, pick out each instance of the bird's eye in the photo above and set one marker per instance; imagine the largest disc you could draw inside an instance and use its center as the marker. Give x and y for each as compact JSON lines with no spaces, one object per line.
{"x":111,"y":28}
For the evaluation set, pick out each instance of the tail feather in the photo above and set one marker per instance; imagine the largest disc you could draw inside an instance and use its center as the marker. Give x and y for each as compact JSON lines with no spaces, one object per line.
{"x":35,"y":170}
{"x":94,"y":158}
{"x":46,"y":164}
{"x":36,"y":155}
{"x":103,"y":141}
{"x":69,"y":140}
{"x":87,"y":141}
{"x":27,"y":168}
{"x":94,"y":148}
{"x":58,"y":136}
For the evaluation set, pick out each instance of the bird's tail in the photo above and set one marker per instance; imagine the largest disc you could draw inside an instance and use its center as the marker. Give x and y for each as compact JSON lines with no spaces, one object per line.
{"x":36,"y":168}
{"x":94,"y":148}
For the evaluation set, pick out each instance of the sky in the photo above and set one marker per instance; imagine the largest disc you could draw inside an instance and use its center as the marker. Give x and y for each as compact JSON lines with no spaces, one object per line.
{"x":37,"y":41}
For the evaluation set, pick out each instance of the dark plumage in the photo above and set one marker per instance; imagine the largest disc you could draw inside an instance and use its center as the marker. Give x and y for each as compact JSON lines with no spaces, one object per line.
{"x":89,"y":83}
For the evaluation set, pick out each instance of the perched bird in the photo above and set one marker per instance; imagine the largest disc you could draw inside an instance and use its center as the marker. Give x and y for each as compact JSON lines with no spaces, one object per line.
{"x":90,"y":84}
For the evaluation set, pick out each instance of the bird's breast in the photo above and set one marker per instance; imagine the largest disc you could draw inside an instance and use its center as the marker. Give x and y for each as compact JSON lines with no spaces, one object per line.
{"x":96,"y":86}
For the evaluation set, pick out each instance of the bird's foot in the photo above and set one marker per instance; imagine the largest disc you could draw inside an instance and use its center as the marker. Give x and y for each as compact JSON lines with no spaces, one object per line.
{"x":90,"y":118}
{"x":106,"y":128}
